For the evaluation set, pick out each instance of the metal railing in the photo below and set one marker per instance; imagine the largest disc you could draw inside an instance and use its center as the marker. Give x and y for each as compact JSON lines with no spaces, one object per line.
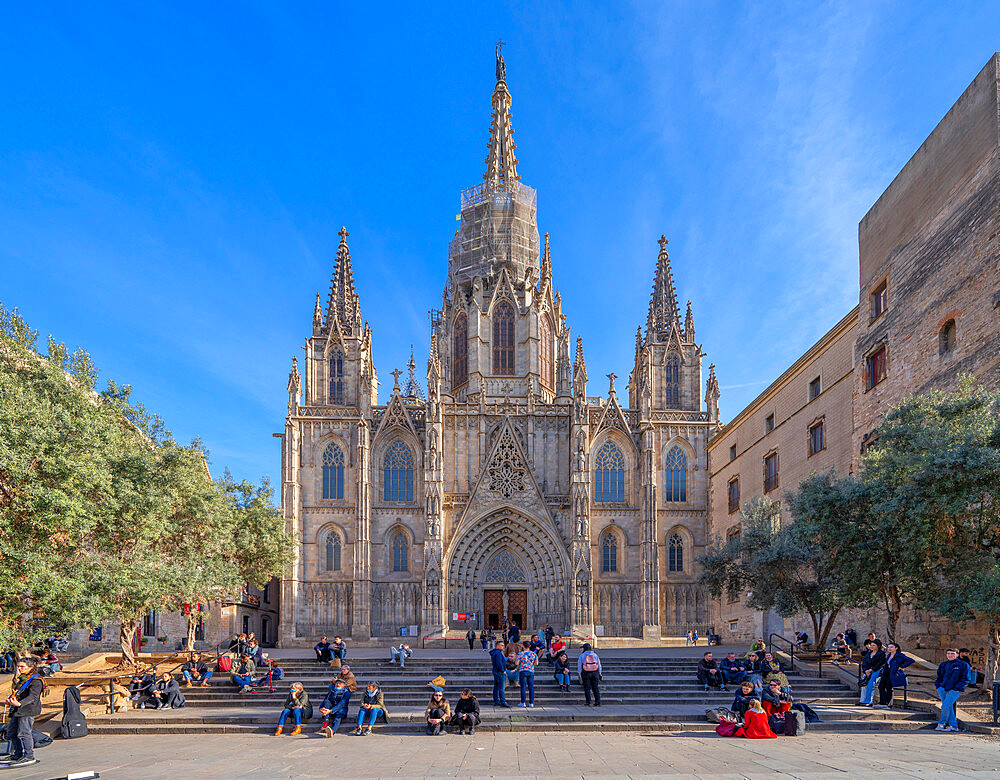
{"x":790,"y":651}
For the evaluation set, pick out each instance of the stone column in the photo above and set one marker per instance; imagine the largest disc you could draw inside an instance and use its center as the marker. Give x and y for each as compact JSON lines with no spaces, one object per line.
{"x":361,"y":592}
{"x":649,"y":558}
{"x":292,"y":590}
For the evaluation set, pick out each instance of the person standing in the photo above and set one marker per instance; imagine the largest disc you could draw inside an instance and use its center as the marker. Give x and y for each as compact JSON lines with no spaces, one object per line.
{"x":590,"y":671}
{"x":25,"y":705}
{"x":687,"y":639}
{"x":484,"y":639}
{"x":498,"y":663}
{"x":892,"y":674}
{"x":549,"y":633}
{"x":952,"y":677}
{"x":527,"y":660}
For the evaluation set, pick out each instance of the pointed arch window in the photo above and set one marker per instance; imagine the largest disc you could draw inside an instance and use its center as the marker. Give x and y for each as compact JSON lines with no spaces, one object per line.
{"x":333,"y":472}
{"x":503,"y":339}
{"x":460,"y":351}
{"x":675,"y":553}
{"x":545,"y":352}
{"x":336,"y":395}
{"x":609,"y":553}
{"x":334,"y":545}
{"x":672,"y":382}
{"x":397,"y":476}
{"x":609,"y":475}
{"x":676,"y":475}
{"x":400,"y":552}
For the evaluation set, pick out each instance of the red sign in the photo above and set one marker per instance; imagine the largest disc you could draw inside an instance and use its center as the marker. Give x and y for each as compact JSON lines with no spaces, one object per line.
{"x":463,"y":616}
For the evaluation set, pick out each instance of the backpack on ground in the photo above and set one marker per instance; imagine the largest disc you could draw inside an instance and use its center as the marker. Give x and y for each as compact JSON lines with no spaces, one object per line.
{"x":225,"y":663}
{"x":777,"y":723}
{"x":590,"y":663}
{"x":795,"y":723}
{"x":720,"y":715}
{"x":73,"y":723}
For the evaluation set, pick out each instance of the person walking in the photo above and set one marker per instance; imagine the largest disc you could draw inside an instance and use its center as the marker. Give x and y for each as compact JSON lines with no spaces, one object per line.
{"x":892,"y":674}
{"x":687,"y":639}
{"x":25,"y":705}
{"x":527,"y":660}
{"x":470,"y":637}
{"x":498,"y":664}
{"x":484,"y":639}
{"x":590,"y":671}
{"x":952,"y":677}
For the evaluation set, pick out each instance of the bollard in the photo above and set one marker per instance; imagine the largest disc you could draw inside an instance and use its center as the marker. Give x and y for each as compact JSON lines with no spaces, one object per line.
{"x":996,"y":700}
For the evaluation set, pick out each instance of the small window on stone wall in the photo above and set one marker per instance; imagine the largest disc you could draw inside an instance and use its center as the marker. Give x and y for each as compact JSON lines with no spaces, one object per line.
{"x":875,"y":367}
{"x":946,"y":338}
{"x":814,"y":388}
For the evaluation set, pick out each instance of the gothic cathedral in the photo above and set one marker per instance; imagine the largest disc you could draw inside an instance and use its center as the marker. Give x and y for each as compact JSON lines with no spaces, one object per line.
{"x":507,"y":491}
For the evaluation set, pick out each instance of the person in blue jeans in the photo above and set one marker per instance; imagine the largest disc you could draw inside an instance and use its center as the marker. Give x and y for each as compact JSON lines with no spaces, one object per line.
{"x":334,"y":707}
{"x":561,"y":662}
{"x":527,"y":660}
{"x":196,"y":671}
{"x":372,"y":705}
{"x":952,"y":677}
{"x":339,"y":648}
{"x":871,"y":669}
{"x":296,"y":704}
{"x":498,"y":662}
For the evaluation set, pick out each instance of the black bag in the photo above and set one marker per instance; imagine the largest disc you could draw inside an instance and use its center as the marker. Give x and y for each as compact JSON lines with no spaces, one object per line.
{"x":795,"y":723}
{"x":809,"y":712}
{"x":778,"y":724}
{"x":73,"y":723}
{"x":38,"y":738}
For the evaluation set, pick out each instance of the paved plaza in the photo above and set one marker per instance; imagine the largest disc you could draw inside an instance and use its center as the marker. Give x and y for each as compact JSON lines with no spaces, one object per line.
{"x":921,"y":754}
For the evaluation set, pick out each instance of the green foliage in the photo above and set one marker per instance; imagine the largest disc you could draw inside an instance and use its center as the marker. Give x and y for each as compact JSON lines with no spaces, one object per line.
{"x":104,"y":515}
{"x":783,"y":568}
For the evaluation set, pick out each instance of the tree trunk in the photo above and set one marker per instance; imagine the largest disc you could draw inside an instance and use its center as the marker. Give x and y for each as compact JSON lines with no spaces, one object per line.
{"x":992,"y":668}
{"x":825,"y":627}
{"x":893,"y":607}
{"x":126,"y":636}
{"x":192,"y":625}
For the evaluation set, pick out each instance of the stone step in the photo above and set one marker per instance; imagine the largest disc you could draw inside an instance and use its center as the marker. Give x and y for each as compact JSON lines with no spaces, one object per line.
{"x":535,"y":725}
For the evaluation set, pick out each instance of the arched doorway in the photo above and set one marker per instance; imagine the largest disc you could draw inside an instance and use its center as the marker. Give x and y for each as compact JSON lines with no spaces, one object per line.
{"x":520,"y":555}
{"x":505,"y":592}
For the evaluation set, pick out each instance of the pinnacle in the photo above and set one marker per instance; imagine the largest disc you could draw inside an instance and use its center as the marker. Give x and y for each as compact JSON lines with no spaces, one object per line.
{"x":343,"y":304}
{"x":501,"y":165}
{"x":663,"y":310}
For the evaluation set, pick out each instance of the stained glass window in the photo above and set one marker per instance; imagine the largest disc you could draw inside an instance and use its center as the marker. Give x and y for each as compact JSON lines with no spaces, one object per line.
{"x":609,"y":553}
{"x":545,"y":352}
{"x":336,"y":378}
{"x":333,"y":548}
{"x":609,"y":475}
{"x":460,"y":351}
{"x":676,"y":475}
{"x":397,"y":480}
{"x":333,"y":472}
{"x":672,"y":381}
{"x":400,"y":552}
{"x":675,"y":553}
{"x":503,"y":339}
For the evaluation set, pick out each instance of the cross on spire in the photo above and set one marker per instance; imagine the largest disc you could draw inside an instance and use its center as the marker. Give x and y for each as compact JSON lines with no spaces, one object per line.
{"x":343,"y":233}
{"x":501,"y":165}
{"x":663,"y":311}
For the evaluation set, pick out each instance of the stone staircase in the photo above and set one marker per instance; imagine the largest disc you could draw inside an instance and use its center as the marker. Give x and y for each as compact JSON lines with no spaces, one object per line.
{"x":637,"y":694}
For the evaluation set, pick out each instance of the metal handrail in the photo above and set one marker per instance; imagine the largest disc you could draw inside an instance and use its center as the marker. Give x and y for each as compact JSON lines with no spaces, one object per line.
{"x":791,"y":650}
{"x":110,"y":679}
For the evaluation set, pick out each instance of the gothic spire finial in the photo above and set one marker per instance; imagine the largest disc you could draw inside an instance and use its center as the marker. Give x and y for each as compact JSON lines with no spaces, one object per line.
{"x":396,"y":373}
{"x":546,"y":261}
{"x":343,"y":303}
{"x":501,"y":165}
{"x":412,"y":388}
{"x":689,"y":325}
{"x":663,"y":311}
{"x":611,"y":387}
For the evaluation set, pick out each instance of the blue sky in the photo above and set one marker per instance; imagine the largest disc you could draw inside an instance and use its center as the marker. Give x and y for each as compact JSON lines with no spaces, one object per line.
{"x":173,"y":176}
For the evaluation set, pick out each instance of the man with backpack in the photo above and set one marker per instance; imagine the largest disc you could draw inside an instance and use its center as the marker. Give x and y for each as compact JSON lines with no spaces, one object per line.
{"x":588,"y":666}
{"x":25,"y":705}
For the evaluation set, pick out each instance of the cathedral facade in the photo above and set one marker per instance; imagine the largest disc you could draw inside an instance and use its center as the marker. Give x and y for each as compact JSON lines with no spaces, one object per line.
{"x":505,"y":492}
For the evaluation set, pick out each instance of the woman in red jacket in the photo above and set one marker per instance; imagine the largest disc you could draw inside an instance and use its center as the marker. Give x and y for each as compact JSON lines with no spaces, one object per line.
{"x":755,"y":723}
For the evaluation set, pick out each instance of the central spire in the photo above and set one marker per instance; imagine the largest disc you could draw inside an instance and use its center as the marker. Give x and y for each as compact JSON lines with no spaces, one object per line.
{"x":501,"y":165}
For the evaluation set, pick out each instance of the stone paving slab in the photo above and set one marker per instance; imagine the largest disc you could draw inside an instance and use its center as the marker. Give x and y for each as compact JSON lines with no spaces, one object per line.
{"x":594,"y":755}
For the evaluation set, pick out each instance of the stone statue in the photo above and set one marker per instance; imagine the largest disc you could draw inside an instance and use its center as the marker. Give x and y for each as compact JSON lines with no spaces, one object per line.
{"x":501,"y":65}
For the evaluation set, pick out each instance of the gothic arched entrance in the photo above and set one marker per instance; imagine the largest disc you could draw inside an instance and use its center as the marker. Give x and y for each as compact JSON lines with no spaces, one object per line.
{"x":507,"y":555}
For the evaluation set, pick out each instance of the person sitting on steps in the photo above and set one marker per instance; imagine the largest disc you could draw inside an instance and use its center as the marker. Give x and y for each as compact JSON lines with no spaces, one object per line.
{"x":322,"y":648}
{"x":561,"y":663}
{"x":243,"y":674}
{"x":348,"y":677}
{"x":338,"y":649}
{"x":557,"y":645}
{"x":141,"y":688}
{"x":741,"y":702}
{"x":734,"y":670}
{"x":296,"y":704}
{"x":372,"y":704}
{"x":709,"y":673}
{"x":167,"y":693}
{"x":513,"y":649}
{"x":437,"y":714}
{"x":196,"y":671}
{"x":402,"y":653}
{"x":334,"y":707}
{"x":466,"y":716}
{"x":774,"y":700}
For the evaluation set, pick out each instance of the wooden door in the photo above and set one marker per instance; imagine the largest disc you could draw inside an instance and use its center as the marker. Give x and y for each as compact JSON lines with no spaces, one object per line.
{"x":492,"y":608}
{"x":517,"y":608}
